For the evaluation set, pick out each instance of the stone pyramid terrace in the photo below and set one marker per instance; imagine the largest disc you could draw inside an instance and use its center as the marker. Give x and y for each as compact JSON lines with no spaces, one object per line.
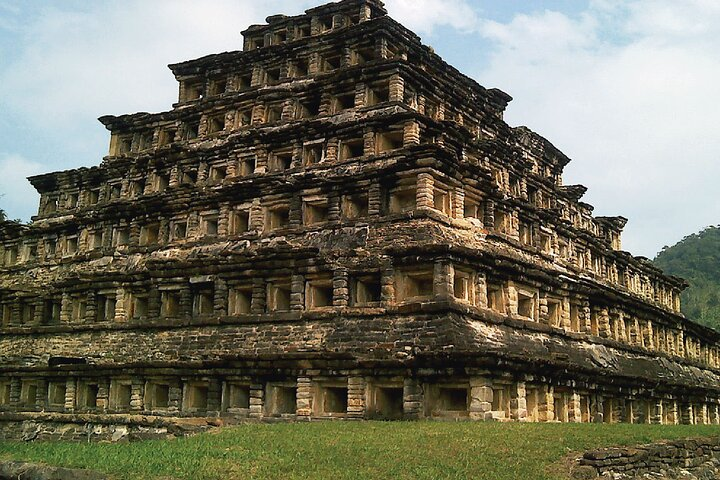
{"x":333,"y":223}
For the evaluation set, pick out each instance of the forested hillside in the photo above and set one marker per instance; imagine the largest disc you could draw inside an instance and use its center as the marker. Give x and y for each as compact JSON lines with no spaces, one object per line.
{"x":696,"y":258}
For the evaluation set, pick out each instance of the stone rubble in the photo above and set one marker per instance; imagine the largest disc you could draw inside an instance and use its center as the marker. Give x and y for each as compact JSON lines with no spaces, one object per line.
{"x":696,"y":459}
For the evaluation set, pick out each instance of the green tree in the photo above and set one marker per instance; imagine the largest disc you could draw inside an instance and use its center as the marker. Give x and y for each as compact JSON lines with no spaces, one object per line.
{"x":696,"y":258}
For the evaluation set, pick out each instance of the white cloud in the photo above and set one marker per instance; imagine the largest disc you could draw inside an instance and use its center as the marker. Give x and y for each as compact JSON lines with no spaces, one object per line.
{"x":17,"y":196}
{"x":111,"y":57}
{"x":636,"y":112}
{"x":542,"y":35}
{"x":423,"y":16}
{"x":669,"y":20}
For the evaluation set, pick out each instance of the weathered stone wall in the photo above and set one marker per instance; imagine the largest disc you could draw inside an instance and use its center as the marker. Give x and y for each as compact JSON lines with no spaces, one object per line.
{"x":696,"y":459}
{"x":283,"y":334}
{"x":391,"y":336}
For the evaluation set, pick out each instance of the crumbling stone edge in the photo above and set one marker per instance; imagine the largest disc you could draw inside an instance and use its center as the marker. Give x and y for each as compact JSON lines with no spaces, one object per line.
{"x":688,"y":459}
{"x":117,"y":428}
{"x":29,"y":471}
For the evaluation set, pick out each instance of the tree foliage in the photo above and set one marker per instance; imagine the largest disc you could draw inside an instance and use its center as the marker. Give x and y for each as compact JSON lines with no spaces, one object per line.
{"x":696,"y":258}
{"x":4,"y":218}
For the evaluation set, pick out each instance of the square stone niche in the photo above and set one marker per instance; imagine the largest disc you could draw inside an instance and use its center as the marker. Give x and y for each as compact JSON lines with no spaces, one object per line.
{"x":385,"y":401}
{"x":236,"y":398}
{"x":56,"y":394}
{"x":157,"y":396}
{"x":195,"y":397}
{"x":331,"y":399}
{"x":280,"y":399}
{"x":120,"y":395}
{"x":87,"y":395}
{"x":448,"y":400}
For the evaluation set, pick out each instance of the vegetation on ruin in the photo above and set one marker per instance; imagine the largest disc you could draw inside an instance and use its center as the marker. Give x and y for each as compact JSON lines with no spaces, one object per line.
{"x":349,"y":450}
{"x":696,"y":258}
{"x":4,"y":217}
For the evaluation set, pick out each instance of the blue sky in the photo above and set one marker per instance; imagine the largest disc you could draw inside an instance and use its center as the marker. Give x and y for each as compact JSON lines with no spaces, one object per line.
{"x":627,"y":88}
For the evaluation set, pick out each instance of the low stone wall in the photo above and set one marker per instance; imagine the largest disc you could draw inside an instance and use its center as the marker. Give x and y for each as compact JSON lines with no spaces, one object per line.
{"x":680,"y":459}
{"x":114,"y":428}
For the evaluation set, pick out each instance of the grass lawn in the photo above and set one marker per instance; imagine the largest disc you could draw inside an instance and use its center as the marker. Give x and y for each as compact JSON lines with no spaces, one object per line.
{"x":353,"y":450}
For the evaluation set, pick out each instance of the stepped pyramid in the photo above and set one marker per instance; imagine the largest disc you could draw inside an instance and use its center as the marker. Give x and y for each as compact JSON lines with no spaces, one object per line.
{"x":334,"y":223}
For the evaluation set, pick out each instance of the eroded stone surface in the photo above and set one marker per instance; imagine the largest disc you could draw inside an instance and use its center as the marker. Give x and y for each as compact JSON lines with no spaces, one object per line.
{"x":333,"y":223}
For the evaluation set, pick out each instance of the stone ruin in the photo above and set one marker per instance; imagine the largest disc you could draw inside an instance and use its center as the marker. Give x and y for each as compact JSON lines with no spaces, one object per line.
{"x":334,"y":223}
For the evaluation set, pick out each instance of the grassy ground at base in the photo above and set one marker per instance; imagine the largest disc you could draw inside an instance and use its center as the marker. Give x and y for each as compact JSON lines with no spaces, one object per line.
{"x":353,"y":450}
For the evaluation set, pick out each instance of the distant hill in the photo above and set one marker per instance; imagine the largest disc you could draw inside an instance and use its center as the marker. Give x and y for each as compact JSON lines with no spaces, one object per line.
{"x":696,"y":258}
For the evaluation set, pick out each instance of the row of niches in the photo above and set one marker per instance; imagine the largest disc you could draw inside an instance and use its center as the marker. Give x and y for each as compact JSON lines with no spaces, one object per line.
{"x":309,"y":154}
{"x":301,"y":106}
{"x":393,"y":398}
{"x":204,"y":297}
{"x":315,"y":208}
{"x":258,"y":160}
{"x":300,"y":155}
{"x":199,"y":298}
{"x":297,"y":66}
{"x":297,"y":28}
{"x":522,"y":187}
{"x":578,"y":314}
{"x":319,"y":102}
{"x":253,"y":113}
{"x":257,"y":113}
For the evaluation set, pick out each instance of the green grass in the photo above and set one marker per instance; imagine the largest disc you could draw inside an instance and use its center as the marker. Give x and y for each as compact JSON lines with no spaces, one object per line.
{"x":349,"y":450}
